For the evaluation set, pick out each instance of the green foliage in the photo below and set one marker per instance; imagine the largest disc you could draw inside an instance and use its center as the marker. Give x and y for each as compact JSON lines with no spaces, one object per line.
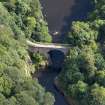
{"x":5,"y":85}
{"x":78,"y":90}
{"x":24,"y":99}
{"x":18,"y":22}
{"x":99,"y":11}
{"x":83,"y":74}
{"x":37,"y":58}
{"x":28,"y":19}
{"x":99,"y":62}
{"x":97,"y":96}
{"x":48,"y":101}
{"x":41,"y":33}
{"x":30,"y":25}
{"x":82,"y":68}
{"x":81,"y":33}
{"x":87,"y":63}
{"x":39,"y":61}
{"x":100,"y":77}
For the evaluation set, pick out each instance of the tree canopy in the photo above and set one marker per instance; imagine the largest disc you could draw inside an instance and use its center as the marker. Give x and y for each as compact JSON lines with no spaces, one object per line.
{"x":19,"y":20}
{"x":83,"y":74}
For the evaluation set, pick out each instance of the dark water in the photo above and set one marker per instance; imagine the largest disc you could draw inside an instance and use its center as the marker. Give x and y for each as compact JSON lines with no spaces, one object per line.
{"x":46,"y":79}
{"x":60,"y":14}
{"x":57,"y":59}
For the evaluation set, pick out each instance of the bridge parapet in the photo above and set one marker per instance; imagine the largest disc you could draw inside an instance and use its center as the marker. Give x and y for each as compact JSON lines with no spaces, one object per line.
{"x":39,"y":44}
{"x":45,"y":48}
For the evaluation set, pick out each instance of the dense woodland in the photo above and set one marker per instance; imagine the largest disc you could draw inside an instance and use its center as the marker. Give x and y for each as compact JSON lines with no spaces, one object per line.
{"x":21,"y":19}
{"x":83,"y":74}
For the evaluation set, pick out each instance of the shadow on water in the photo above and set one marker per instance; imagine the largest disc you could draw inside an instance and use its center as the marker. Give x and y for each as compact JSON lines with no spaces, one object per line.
{"x":79,"y":12}
{"x":57,"y":59}
{"x":46,"y":78}
{"x":60,"y":14}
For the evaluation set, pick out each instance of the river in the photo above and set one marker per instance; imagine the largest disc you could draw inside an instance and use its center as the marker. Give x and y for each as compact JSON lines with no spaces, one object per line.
{"x":60,"y":14}
{"x":46,"y":79}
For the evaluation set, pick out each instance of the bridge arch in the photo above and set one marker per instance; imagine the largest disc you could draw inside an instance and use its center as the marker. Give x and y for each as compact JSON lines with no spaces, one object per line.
{"x":57,"y":58}
{"x":50,"y":51}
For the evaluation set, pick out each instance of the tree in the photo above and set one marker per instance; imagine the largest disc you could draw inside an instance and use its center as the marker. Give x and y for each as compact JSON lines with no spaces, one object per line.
{"x":5,"y":85}
{"x":97,"y":96}
{"x":48,"y":99}
{"x":24,"y":99}
{"x":30,"y":25}
{"x":99,"y":61}
{"x":87,"y":63}
{"x":78,"y":90}
{"x":2,"y":99}
{"x":100,"y":77}
{"x":99,"y":11}
{"x":41,"y":33}
{"x":16,"y":84}
{"x":81,"y":34}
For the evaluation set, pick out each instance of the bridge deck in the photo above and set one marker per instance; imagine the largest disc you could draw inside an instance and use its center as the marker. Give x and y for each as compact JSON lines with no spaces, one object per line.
{"x":47,"y":45}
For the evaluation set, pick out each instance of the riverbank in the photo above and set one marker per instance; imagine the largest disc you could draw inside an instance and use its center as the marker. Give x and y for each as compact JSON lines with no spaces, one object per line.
{"x":46,"y":79}
{"x":69,"y":99}
{"x":60,"y":15}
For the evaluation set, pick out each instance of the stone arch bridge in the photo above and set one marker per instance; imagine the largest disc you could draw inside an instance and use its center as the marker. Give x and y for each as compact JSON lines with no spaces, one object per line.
{"x":45,"y":48}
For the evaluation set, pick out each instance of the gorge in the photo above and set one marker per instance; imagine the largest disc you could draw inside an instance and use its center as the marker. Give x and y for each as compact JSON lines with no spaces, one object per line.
{"x":60,"y":14}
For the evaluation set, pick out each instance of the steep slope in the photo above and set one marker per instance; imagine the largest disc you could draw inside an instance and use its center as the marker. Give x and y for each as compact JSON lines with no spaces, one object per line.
{"x":16,"y":84}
